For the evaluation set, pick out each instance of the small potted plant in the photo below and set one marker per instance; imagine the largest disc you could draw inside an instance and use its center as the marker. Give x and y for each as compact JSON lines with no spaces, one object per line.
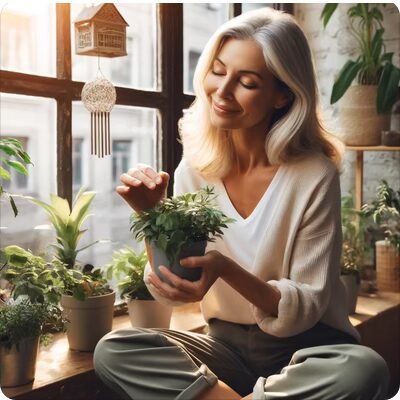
{"x":353,"y":250}
{"x":180,"y":227}
{"x":87,"y":300}
{"x":21,"y":327}
{"x":127,"y":267}
{"x":385,"y":213}
{"x":28,"y":311}
{"x":365,"y":107}
{"x":13,"y":157}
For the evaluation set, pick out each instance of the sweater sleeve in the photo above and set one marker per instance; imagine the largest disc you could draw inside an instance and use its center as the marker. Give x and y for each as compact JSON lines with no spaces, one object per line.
{"x":314,"y":265}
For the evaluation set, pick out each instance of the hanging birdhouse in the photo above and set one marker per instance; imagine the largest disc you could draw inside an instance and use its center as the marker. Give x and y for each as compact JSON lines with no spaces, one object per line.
{"x":100,"y":31}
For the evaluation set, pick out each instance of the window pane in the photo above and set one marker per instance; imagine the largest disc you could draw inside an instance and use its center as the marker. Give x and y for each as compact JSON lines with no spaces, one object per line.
{"x":27,"y":37}
{"x":133,"y":136}
{"x":200,"y":21}
{"x":253,"y":6}
{"x":138,"y":68}
{"x":33,"y":121}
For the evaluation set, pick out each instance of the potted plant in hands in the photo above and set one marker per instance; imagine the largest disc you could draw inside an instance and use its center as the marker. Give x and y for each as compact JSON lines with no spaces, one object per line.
{"x":180,"y":227}
{"x":29,"y":311}
{"x":16,"y":158}
{"x":353,"y":249}
{"x":385,"y":213}
{"x":364,"y":109}
{"x":87,"y":301}
{"x":128,"y":268}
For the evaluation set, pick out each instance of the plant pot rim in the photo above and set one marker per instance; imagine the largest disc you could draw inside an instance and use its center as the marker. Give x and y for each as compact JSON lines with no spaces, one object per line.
{"x":91,"y":297}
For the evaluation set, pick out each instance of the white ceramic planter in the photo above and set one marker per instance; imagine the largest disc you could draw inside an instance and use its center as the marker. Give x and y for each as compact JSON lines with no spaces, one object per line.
{"x":149,"y":314}
{"x":17,"y":367}
{"x":89,"y":320}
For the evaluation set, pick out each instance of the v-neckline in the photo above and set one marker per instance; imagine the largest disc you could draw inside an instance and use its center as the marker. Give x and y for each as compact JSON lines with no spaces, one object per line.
{"x":235,"y":214}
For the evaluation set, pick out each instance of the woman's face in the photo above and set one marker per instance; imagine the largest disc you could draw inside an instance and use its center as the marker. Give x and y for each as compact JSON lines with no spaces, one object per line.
{"x":242,"y":93}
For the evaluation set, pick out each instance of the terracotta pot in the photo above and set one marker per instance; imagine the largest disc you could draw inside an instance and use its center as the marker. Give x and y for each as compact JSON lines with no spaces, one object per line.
{"x":360,"y":122}
{"x":89,"y":320}
{"x":192,"y":249}
{"x":387,"y":266}
{"x":149,"y":314}
{"x":17,"y":367}
{"x":351,"y":283}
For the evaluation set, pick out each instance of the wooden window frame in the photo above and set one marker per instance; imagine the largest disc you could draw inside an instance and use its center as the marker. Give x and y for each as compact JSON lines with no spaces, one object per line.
{"x":169,"y":101}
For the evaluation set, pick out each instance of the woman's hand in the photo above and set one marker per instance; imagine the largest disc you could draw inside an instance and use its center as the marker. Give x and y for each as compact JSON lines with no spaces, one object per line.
{"x":213,"y":264}
{"x":143,"y":187}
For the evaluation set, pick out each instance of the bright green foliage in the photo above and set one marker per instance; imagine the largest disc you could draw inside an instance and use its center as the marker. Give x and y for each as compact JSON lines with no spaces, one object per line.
{"x":354,"y":241}
{"x":16,"y":158}
{"x":177,"y":221}
{"x":30,"y":276}
{"x":373,"y":66}
{"x":23,"y":320}
{"x":68,"y":224}
{"x":385,"y":212}
{"x":128,"y":268}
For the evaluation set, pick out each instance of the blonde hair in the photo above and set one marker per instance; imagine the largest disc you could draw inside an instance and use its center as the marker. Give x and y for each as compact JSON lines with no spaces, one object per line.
{"x":296,"y":130}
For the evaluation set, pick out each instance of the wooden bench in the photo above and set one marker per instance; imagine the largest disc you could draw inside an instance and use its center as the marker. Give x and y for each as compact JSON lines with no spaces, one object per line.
{"x":62,"y":374}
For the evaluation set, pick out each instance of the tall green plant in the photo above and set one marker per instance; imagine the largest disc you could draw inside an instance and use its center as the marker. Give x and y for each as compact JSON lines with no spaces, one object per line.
{"x":14,"y":156}
{"x":68,"y":223}
{"x":373,"y":65}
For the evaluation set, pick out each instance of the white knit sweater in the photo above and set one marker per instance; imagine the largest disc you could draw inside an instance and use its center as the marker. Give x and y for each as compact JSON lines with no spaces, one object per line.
{"x":296,"y":232}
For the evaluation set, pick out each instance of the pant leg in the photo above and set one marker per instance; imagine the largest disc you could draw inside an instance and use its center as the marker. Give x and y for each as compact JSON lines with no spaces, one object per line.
{"x":333,"y":372}
{"x":149,"y":364}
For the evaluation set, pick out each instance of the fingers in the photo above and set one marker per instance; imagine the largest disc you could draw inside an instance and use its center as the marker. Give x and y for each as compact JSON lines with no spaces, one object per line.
{"x":192,"y":262}
{"x":144,"y":174}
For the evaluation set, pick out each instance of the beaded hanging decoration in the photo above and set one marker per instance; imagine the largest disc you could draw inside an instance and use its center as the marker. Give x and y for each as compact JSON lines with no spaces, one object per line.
{"x":99,"y":97}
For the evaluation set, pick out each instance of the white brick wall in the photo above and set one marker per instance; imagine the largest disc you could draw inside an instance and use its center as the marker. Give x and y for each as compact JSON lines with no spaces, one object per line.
{"x":331,"y":48}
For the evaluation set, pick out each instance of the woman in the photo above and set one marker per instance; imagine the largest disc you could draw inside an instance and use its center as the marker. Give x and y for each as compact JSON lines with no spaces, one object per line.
{"x":270,"y":288}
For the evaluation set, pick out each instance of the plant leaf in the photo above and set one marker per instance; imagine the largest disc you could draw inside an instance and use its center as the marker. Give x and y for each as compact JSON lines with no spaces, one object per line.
{"x":17,"y":166}
{"x":387,"y":88}
{"x":346,"y":77}
{"x":327,"y":12}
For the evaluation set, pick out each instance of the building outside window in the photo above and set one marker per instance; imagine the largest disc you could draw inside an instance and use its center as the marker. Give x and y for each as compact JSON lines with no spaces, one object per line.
{"x":121,"y":159}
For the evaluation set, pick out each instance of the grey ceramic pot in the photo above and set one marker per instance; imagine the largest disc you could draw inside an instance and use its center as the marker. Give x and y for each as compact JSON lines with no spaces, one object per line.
{"x":192,"y":249}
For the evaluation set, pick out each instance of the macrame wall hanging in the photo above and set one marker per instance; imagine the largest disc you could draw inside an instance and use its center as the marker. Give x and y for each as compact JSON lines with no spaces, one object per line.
{"x":100,"y":31}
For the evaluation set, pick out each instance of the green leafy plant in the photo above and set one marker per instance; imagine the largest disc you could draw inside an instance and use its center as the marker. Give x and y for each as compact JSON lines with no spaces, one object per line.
{"x":16,"y":158}
{"x":374,"y":65}
{"x":29,"y":275}
{"x":22,"y":320}
{"x":80,"y":284}
{"x":354,"y":241}
{"x":174,"y":222}
{"x":385,"y":212}
{"x":68,"y":223}
{"x":128,"y":268}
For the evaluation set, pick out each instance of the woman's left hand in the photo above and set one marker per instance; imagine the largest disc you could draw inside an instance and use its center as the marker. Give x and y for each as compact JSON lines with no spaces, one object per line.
{"x":213,"y":264}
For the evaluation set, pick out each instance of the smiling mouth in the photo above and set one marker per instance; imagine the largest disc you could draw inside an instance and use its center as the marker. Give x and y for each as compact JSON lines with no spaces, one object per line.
{"x":222,"y":110}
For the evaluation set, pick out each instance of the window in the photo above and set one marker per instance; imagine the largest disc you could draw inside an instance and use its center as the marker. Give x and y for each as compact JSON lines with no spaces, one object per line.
{"x":121,"y":160}
{"x":77,"y":164}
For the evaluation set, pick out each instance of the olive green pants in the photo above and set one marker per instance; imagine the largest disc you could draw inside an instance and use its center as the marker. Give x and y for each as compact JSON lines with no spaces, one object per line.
{"x":161,"y":364}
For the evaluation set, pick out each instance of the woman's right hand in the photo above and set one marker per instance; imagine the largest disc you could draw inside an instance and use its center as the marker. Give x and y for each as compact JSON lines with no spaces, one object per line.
{"x":143,"y":187}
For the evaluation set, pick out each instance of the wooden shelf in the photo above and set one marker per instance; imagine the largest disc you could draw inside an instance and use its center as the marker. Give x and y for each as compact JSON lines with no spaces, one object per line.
{"x":359,"y":176}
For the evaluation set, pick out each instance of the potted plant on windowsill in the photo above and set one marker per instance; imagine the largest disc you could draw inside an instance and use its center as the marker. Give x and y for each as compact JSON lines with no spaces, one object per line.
{"x":364,"y":109}
{"x":127,"y":267}
{"x":179,"y":227}
{"x":385,"y":213}
{"x":87,"y":300}
{"x":28,"y":311}
{"x":353,"y":250}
